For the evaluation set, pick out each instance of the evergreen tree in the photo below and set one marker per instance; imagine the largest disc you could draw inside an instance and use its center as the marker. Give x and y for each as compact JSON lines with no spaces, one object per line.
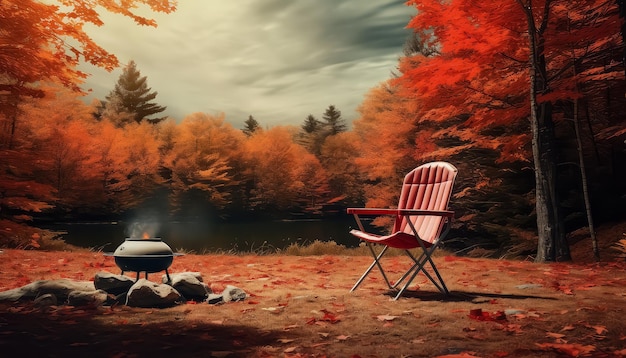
{"x":132,"y":95}
{"x":333,"y":121}
{"x":251,"y":125}
{"x":311,"y":124}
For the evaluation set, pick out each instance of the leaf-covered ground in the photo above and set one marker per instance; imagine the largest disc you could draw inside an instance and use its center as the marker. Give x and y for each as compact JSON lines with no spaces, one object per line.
{"x":302,"y":307}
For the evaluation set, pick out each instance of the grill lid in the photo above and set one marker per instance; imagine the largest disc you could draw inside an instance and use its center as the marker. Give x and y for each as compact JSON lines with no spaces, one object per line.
{"x":143,"y":247}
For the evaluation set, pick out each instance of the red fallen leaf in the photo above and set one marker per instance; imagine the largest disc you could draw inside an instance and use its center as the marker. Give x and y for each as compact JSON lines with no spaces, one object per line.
{"x":571,"y":349}
{"x":311,"y":320}
{"x":479,"y":315}
{"x":329,"y":317}
{"x":253,"y":302}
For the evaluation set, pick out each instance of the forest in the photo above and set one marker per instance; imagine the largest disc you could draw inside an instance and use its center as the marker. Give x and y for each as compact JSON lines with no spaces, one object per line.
{"x":527,"y":98}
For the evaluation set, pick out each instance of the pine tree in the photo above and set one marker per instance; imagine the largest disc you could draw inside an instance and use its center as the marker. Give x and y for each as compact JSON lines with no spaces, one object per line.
{"x":251,"y":125}
{"x":333,"y":121}
{"x":133,"y":95}
{"x":311,"y":124}
{"x":312,"y":135}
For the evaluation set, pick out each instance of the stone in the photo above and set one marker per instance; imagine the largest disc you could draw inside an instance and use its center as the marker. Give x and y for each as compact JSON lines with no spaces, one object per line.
{"x":232,"y":293}
{"x":59,"y":288}
{"x":46,"y":300}
{"x":82,"y":298}
{"x":111,"y":283}
{"x":189,"y":284}
{"x":148,"y":294}
{"x":215,"y":299}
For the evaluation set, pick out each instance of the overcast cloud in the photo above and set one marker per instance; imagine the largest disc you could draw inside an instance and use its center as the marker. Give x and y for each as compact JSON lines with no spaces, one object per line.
{"x":277,"y":60}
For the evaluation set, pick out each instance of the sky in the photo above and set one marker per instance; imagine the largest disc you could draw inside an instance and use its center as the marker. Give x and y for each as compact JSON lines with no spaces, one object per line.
{"x":277,"y":60}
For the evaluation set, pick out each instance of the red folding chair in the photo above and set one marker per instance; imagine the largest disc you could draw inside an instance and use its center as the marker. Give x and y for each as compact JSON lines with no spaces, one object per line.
{"x":421,"y":221}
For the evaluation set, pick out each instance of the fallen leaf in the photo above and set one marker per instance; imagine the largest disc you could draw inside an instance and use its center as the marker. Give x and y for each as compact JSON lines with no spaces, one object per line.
{"x":571,"y":349}
{"x":386,"y":317}
{"x":599,"y":329}
{"x":273,"y":309}
{"x":555,"y":335}
{"x":342,"y":337}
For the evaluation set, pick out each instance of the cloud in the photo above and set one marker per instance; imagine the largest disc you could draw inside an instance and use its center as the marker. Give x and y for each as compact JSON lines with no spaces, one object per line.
{"x":278,"y":60}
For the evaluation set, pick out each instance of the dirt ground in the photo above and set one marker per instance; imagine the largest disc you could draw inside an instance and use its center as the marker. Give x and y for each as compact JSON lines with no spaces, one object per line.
{"x":302,"y":307}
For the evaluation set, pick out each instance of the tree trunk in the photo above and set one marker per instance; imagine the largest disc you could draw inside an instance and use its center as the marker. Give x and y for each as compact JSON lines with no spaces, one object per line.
{"x":583,"y":177}
{"x":551,"y":245}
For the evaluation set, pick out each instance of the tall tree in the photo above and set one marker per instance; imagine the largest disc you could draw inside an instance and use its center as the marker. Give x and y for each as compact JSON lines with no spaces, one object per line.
{"x":250,"y":126}
{"x":333,"y":122}
{"x":52,"y":38}
{"x":311,"y":135}
{"x":481,"y":71}
{"x":132,"y":95}
{"x":40,"y":42}
{"x":311,"y":124}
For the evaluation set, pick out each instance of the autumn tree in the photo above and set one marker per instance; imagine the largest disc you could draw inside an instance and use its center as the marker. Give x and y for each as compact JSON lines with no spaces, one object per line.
{"x":337,"y":157}
{"x":314,"y":132}
{"x":250,"y":126}
{"x":132,"y":98}
{"x":52,"y":38}
{"x":282,"y":173}
{"x":205,"y":151}
{"x":41,"y":42}
{"x":60,"y":126}
{"x":487,"y":77}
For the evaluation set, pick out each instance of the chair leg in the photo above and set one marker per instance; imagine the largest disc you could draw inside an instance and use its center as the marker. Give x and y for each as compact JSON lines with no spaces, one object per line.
{"x":376,"y":262}
{"x":419,"y":266}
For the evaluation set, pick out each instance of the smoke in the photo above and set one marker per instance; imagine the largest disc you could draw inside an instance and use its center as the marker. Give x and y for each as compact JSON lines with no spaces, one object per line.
{"x":145,"y":226}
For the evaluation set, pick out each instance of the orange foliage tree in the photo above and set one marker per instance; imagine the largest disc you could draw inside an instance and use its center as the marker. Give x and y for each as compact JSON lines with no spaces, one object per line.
{"x":487,"y":60}
{"x":200,"y":159}
{"x":42,"y":42}
{"x":282,"y":174}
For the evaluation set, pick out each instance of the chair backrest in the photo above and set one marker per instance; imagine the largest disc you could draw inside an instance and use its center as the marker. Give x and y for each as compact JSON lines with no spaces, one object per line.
{"x":427,"y":187}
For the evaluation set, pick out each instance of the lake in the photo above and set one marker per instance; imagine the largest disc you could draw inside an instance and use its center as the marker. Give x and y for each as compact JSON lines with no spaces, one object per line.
{"x":202,"y":236}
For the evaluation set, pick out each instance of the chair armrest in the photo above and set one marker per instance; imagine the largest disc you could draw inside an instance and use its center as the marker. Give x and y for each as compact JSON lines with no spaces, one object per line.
{"x":372,"y":211}
{"x":444,"y":213}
